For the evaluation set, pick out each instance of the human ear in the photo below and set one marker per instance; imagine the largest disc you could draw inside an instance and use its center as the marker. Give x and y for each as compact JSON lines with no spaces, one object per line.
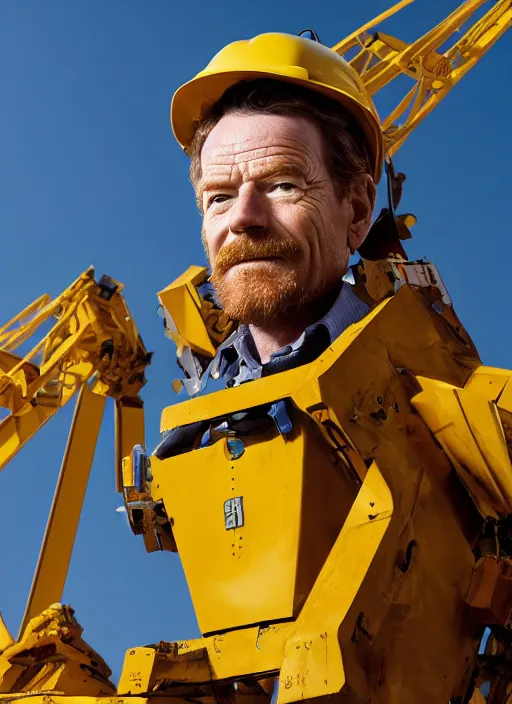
{"x":361,"y":199}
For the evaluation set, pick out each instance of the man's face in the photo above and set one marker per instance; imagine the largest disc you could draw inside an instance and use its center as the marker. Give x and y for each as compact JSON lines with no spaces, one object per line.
{"x":278,"y":234}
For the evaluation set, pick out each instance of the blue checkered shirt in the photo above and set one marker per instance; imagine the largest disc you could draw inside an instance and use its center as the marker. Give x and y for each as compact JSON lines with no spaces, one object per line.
{"x":237,"y":359}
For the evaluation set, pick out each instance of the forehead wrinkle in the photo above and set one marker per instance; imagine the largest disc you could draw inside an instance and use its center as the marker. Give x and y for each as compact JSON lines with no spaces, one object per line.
{"x":266,"y":167}
{"x":260,"y":161}
{"x":232,"y":143}
{"x":262,"y":168}
{"x":234,"y":152}
{"x":234,"y":161}
{"x":225,"y":174}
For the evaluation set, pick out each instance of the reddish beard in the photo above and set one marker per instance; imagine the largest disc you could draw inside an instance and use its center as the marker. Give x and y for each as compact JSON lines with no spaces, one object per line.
{"x":264,"y":292}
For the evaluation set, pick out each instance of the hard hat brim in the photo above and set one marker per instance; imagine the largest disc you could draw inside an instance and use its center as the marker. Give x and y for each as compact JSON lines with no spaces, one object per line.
{"x":194,"y":100}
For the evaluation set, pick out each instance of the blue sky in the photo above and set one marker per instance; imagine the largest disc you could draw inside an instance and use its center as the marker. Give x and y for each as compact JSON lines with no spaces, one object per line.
{"x":90,"y":174}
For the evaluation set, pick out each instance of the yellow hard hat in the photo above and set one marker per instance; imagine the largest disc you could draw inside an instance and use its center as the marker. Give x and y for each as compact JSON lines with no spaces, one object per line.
{"x":287,"y":58}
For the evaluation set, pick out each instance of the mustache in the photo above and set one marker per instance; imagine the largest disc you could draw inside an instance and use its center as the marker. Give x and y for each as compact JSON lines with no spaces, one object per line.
{"x":245,"y":249}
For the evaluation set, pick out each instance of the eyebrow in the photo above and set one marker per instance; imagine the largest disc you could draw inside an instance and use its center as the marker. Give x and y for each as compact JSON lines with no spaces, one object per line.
{"x":274,"y":169}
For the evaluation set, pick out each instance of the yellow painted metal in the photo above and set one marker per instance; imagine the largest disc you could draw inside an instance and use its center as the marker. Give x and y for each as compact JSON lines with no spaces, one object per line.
{"x":137,"y":676}
{"x":182,"y":297}
{"x":267,"y":389}
{"x":245,"y":651}
{"x":336,"y":401}
{"x":63,"y":699}
{"x":488,"y":382}
{"x":380,"y":59}
{"x":315,"y":671}
{"x":354,"y":38}
{"x":16,"y":430}
{"x":338,"y":630}
{"x":273,"y":478}
{"x":505,"y":399}
{"x":349,"y":574}
{"x":93,"y":348}
{"x":129,"y":428}
{"x":52,"y":567}
{"x":468,"y":427}
{"x":51,"y":656}
{"x":5,"y":637}
{"x":93,"y":335}
{"x":93,"y":339}
{"x":51,"y":698}
{"x":16,"y":331}
{"x":194,"y":318}
{"x":312,"y":665}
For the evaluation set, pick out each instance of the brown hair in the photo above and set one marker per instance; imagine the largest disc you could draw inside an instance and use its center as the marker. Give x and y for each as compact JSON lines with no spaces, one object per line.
{"x":345,"y":145}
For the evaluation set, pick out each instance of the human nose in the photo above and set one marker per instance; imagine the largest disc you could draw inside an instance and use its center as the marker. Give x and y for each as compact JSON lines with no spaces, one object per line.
{"x":249,"y":212}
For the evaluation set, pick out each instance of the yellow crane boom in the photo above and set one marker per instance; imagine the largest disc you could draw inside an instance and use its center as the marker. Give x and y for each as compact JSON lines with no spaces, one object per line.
{"x":384,"y":462}
{"x":92,"y":350}
{"x":380,"y":59}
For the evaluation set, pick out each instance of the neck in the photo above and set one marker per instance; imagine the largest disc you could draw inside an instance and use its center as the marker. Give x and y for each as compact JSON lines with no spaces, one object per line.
{"x":282,"y":331}
{"x":268,"y":340}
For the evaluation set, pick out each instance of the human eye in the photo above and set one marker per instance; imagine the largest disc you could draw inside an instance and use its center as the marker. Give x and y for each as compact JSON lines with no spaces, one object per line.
{"x":284,"y":189}
{"x":284,"y":186}
{"x":217,"y":198}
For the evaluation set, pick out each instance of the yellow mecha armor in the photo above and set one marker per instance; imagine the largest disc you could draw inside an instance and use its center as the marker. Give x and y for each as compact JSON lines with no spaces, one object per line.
{"x":328,"y":546}
{"x":344,"y":526}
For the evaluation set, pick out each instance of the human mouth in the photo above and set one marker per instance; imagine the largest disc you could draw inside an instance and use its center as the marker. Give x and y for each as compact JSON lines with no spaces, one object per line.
{"x":258,"y":260}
